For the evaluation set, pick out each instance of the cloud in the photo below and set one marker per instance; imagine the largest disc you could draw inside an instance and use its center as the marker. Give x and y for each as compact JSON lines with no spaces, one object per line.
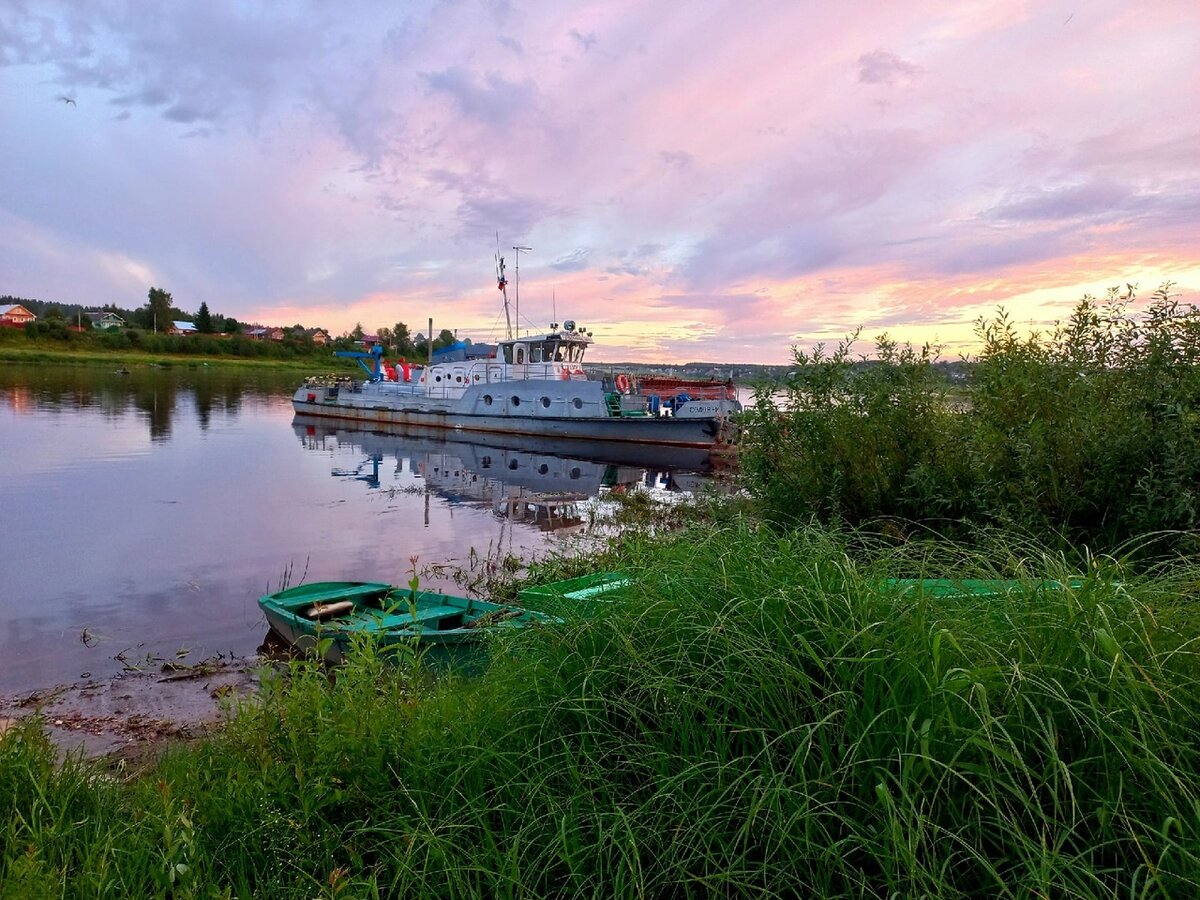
{"x":150,"y":96}
{"x":492,"y":99}
{"x":641,"y":261}
{"x":575,"y":261}
{"x":586,"y":41}
{"x":883,"y":67}
{"x":691,"y":164}
{"x":678,"y":159}
{"x":1088,"y":200}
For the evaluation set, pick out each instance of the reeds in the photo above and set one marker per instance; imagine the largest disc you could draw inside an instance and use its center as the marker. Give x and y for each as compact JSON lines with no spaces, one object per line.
{"x":760,"y":716}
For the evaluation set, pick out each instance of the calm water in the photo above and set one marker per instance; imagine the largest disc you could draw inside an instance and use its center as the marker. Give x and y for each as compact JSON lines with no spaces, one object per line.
{"x":142,"y":515}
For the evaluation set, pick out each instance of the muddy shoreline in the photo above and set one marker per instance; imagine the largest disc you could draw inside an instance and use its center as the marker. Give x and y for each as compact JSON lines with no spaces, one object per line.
{"x":135,"y":712}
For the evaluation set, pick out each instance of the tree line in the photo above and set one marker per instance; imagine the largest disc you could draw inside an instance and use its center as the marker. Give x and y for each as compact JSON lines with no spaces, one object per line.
{"x":55,"y":320}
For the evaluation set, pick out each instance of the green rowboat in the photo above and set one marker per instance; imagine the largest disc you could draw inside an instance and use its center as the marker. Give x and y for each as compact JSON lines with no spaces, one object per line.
{"x":327,"y":615}
{"x":575,"y":594}
{"x":971,"y":587}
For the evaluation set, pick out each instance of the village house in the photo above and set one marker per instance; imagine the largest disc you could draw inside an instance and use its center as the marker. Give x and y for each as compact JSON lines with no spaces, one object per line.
{"x":320,"y":338}
{"x":103,"y":319}
{"x":182,"y":328}
{"x":15,"y":315}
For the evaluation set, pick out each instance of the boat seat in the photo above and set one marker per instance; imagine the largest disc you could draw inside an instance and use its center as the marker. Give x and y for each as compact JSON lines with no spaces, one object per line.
{"x":437,"y":612}
{"x":350,"y":593}
{"x":401,"y":619}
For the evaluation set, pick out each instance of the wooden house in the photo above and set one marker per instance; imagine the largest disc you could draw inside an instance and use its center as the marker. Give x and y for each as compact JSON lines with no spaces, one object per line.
{"x":15,"y":315}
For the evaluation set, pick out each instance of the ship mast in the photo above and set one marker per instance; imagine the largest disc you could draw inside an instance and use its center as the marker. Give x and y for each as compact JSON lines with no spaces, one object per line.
{"x":502,"y":283}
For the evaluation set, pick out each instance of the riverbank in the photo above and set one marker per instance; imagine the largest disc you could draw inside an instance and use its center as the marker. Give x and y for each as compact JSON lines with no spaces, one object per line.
{"x":134,"y":714}
{"x":761,"y":712}
{"x":129,"y":358}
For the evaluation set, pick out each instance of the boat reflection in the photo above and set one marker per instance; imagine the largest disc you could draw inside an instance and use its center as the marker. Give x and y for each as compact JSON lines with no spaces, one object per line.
{"x":531,"y":481}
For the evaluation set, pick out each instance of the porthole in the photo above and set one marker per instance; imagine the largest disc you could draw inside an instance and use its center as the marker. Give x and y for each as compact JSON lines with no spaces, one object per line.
{"x":458,"y":378}
{"x":516,"y":401}
{"x":512,"y":465}
{"x":487,"y":399}
{"x":543,"y":469}
{"x":438,"y":378}
{"x":578,"y":403}
{"x":546,"y":402}
{"x":575,"y":472}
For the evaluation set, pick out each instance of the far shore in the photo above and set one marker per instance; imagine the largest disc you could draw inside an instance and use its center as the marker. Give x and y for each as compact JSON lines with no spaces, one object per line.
{"x":94,"y":356}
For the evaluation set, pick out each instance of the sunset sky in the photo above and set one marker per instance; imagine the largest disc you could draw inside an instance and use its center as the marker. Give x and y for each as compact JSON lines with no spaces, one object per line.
{"x":698,"y":181}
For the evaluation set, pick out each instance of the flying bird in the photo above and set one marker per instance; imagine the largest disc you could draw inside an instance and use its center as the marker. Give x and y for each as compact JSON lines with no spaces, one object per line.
{"x":68,"y":100}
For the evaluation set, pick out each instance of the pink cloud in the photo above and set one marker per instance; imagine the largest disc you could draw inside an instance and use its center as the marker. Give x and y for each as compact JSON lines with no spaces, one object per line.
{"x":691,"y":182}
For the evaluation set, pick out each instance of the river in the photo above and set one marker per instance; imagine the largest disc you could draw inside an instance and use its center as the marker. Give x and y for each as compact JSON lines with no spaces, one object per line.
{"x":143,"y":514}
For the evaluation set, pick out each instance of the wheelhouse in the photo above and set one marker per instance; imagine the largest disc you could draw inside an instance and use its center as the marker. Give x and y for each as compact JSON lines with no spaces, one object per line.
{"x":557,"y":347}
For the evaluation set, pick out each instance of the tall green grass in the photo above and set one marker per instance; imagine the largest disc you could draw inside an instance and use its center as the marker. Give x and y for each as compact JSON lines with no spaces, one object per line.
{"x":760,"y":715}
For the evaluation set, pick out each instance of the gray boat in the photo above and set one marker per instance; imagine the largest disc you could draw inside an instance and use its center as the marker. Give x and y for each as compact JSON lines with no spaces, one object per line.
{"x":527,"y":385}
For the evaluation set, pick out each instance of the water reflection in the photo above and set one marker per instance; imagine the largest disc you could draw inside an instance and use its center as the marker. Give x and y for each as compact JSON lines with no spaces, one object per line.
{"x":521,"y":479}
{"x":156,"y":394}
{"x":145,"y":513}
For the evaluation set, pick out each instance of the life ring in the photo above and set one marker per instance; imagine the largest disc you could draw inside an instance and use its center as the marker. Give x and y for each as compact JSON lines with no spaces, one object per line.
{"x":565,"y":375}
{"x":623,"y":383}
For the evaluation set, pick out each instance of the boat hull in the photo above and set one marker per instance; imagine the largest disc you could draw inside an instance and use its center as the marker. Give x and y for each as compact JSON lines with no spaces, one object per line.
{"x":470,"y":448}
{"x":330,"y":618}
{"x":695,"y":432}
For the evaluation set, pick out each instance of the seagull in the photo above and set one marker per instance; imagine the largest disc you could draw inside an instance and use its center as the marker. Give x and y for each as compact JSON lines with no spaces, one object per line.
{"x":68,"y":100}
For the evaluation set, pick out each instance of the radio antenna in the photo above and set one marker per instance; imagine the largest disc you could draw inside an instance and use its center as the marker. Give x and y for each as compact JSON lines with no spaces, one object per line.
{"x":517,"y":284}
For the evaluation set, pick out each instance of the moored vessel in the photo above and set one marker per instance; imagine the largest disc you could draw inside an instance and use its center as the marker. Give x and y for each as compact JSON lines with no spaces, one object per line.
{"x":527,"y":385}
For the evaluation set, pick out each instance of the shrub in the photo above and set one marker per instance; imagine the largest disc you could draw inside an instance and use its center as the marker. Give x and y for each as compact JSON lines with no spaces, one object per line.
{"x":1092,"y":432}
{"x":856,"y":440}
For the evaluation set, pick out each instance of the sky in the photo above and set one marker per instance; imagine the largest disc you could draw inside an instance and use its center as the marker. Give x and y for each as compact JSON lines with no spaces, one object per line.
{"x":705,"y":180}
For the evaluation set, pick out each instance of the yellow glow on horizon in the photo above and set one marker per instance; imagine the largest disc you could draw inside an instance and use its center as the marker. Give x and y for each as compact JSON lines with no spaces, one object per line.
{"x":635,"y":319}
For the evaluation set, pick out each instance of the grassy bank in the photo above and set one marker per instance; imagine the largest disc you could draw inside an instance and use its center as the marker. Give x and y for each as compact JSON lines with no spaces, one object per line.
{"x":760,"y":715}
{"x":92,"y":356}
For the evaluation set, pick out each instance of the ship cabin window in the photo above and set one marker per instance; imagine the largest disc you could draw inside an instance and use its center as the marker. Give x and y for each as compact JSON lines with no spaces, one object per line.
{"x":508,"y":356}
{"x":558,"y":351}
{"x":521,"y":355}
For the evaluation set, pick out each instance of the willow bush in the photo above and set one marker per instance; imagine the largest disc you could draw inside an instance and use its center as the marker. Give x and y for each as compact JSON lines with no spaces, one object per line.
{"x":1091,"y":432}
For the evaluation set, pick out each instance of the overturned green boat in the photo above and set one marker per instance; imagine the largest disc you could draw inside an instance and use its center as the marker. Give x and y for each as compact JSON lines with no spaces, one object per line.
{"x":581,"y":593}
{"x":328,"y":616}
{"x":973,"y":587}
